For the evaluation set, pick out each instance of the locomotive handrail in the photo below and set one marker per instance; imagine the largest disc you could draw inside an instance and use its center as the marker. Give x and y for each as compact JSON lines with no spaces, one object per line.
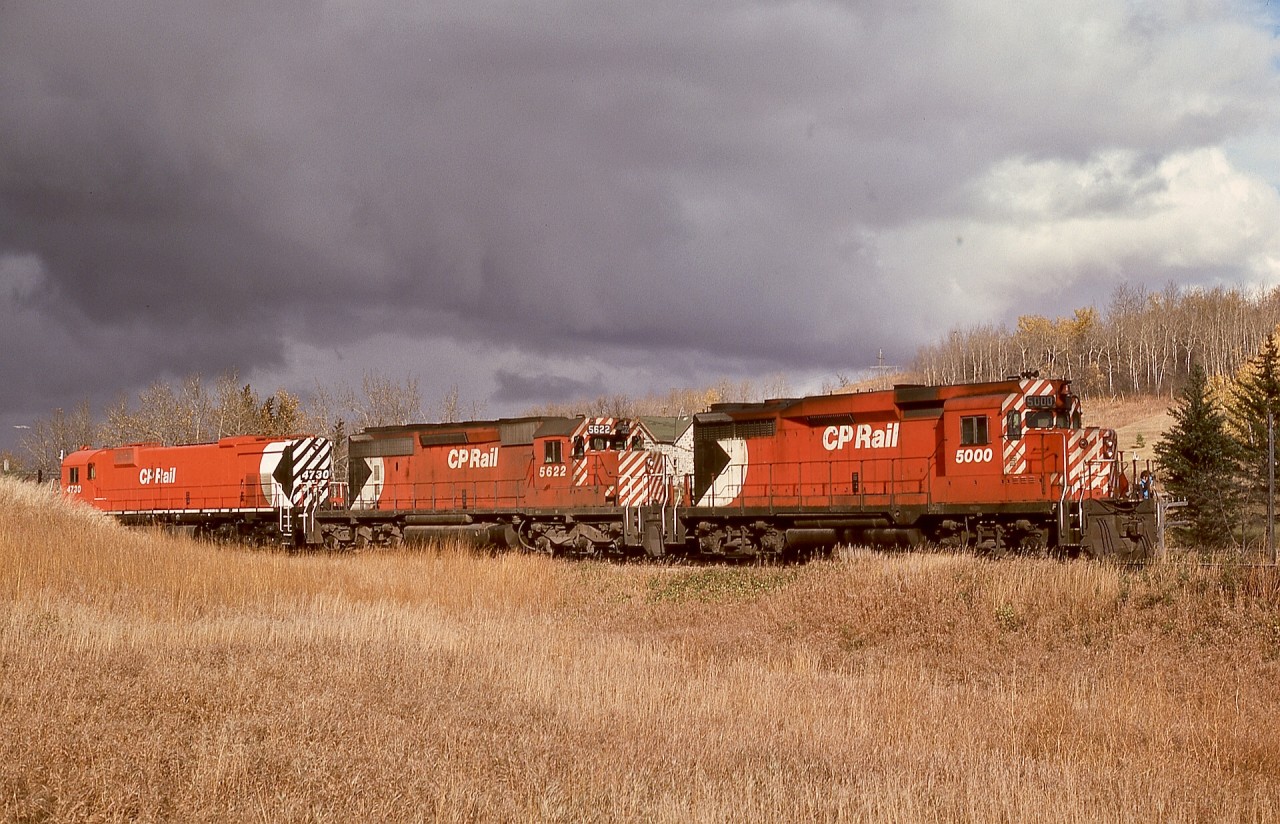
{"x":1062,"y":500}
{"x":338,"y":497}
{"x":881,"y":481}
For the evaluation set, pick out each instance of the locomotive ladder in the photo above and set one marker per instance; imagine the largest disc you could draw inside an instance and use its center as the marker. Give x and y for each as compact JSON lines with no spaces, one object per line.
{"x":285,"y":513}
{"x":1072,"y":526}
{"x":306,"y":519}
{"x":651,"y":527}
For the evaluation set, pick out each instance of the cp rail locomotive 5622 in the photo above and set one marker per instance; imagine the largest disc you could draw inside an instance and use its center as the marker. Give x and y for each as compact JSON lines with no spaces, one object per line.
{"x":1001,"y":466}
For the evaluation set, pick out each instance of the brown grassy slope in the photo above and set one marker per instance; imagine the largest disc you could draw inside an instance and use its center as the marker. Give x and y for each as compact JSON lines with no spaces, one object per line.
{"x":145,"y":677}
{"x":1142,"y":419}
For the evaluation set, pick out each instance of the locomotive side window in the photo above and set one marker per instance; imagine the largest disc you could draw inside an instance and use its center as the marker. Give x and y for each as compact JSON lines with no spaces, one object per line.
{"x":973,"y":430}
{"x":92,"y":472}
{"x":579,"y":447}
{"x":1013,"y":426}
{"x":551,"y":452}
{"x":73,"y":475}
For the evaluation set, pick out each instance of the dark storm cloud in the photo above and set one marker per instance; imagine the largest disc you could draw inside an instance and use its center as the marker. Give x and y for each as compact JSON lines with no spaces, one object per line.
{"x":738,"y":183}
{"x":531,"y":389}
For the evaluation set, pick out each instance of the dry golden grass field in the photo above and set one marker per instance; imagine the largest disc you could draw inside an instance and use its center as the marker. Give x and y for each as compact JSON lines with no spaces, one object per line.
{"x":147,"y":678}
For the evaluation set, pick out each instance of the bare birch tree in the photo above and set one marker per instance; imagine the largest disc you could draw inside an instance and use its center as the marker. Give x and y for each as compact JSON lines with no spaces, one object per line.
{"x":50,"y":439}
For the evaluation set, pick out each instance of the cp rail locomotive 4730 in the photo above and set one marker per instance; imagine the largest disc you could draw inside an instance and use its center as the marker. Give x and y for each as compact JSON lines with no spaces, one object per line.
{"x":1002,"y":467}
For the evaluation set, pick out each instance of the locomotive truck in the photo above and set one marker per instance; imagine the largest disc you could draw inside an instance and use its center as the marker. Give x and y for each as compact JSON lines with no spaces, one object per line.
{"x":998,"y":467}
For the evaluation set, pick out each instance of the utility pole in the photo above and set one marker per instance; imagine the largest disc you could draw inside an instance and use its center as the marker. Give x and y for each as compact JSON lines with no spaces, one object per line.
{"x":1271,"y":485}
{"x":882,"y":371}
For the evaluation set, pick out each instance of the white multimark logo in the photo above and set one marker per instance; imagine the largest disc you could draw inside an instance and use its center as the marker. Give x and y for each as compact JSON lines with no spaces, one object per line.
{"x":159,"y":475}
{"x":862,"y":436}
{"x":476,"y":458}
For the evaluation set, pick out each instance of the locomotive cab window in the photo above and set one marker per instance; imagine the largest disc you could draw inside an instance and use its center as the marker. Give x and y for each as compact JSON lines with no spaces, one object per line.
{"x":551,"y":452}
{"x":1040,"y":419}
{"x":73,"y":475}
{"x":579,"y":447}
{"x":1013,"y":426}
{"x":92,"y":474}
{"x":973,"y":430}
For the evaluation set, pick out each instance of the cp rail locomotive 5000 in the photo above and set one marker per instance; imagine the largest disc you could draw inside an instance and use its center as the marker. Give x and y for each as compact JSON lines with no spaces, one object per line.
{"x":1002,"y":466}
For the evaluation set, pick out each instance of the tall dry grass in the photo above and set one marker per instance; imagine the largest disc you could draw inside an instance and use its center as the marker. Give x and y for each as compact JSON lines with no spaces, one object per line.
{"x":144,"y":677}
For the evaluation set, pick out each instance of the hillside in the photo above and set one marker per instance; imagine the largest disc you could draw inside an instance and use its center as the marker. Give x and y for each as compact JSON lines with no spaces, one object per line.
{"x":1147,"y":418}
{"x":151,"y":678}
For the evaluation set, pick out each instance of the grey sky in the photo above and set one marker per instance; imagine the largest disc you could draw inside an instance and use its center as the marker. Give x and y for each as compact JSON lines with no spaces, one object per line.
{"x":536,"y":201}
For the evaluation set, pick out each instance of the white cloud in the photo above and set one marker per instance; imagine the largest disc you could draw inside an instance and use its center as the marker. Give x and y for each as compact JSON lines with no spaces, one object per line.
{"x":1060,"y":234}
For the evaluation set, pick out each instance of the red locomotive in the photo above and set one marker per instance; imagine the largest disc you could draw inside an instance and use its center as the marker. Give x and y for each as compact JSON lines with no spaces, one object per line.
{"x":1002,"y":466}
{"x":246,"y":488}
{"x":552,"y":484}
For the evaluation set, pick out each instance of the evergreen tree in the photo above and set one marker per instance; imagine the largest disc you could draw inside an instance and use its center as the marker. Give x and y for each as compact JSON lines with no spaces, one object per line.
{"x":1255,"y":396}
{"x":1198,"y":459}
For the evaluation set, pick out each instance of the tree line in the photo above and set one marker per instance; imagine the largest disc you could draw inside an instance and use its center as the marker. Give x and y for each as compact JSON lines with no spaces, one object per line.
{"x":1141,"y":343}
{"x":196,"y":411}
